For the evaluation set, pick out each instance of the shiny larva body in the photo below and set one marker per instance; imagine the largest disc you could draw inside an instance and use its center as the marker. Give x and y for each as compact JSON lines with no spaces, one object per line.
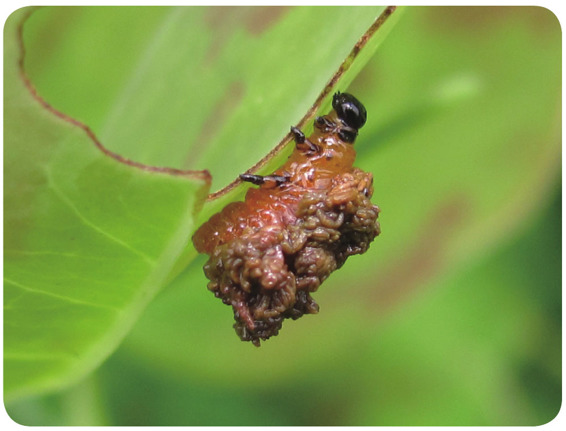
{"x":270,"y":251}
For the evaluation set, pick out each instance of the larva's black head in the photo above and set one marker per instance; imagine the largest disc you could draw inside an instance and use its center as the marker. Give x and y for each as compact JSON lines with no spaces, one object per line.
{"x":349,"y":110}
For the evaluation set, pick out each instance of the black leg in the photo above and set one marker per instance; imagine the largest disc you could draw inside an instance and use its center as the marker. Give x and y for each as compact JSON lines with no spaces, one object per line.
{"x":323,"y":124}
{"x":254,"y":179}
{"x":258,"y":180}
{"x":298,"y":135}
{"x":301,"y":140}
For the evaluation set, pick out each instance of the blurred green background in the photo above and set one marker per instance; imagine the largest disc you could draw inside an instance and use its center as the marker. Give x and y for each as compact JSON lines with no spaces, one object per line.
{"x":454,"y":315}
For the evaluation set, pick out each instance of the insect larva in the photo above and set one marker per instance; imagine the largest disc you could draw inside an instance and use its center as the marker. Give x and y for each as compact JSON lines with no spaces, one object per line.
{"x":271,"y":251}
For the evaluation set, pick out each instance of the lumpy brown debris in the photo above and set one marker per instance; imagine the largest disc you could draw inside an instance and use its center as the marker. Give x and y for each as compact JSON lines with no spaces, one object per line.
{"x":267,"y":274}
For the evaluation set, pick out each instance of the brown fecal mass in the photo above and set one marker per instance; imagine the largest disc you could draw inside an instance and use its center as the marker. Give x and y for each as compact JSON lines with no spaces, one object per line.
{"x":268,"y":253}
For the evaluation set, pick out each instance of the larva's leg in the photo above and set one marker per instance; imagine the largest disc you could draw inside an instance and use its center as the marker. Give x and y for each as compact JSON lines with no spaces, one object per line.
{"x":303,"y":142}
{"x":323,"y":124}
{"x":298,"y":135}
{"x":258,"y":180}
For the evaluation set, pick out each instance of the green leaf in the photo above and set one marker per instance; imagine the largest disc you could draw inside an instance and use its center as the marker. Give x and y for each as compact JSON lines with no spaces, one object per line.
{"x":92,"y":235}
{"x":219,"y":86}
{"x":463,"y":138}
{"x":89,"y":237}
{"x":432,"y":325}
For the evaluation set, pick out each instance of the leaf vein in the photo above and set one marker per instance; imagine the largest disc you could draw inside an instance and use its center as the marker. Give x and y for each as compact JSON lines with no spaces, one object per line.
{"x":51,"y":253}
{"x":60,"y":297}
{"x":65,"y":199}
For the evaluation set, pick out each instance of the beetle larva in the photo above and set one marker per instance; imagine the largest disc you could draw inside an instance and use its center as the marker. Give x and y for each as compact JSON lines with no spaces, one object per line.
{"x":271,"y":251}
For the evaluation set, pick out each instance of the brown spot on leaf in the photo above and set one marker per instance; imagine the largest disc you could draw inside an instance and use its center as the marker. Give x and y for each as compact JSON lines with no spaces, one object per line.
{"x":463,"y":19}
{"x":222,"y":109}
{"x":482,"y":20}
{"x":423,"y":258}
{"x":255,"y":19}
{"x":543,"y":22}
{"x":263,"y":18}
{"x":65,"y":19}
{"x":224,"y":21}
